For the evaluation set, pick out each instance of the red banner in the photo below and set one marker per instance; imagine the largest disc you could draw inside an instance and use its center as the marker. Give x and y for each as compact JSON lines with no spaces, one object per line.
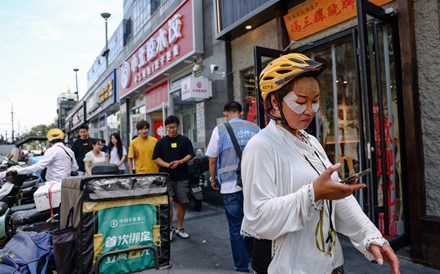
{"x":155,"y":96}
{"x":161,"y":50}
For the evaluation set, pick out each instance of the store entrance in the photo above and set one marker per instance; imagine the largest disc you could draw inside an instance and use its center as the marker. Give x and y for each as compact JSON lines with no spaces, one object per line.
{"x":359,"y":128}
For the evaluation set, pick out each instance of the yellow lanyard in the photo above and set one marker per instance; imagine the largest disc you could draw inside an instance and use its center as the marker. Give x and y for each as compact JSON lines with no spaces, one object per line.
{"x":319,"y":233}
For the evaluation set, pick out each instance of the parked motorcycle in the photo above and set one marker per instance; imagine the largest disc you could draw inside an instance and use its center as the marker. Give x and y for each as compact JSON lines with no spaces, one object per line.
{"x":16,"y":195}
{"x":21,"y":190}
{"x":197,"y":169}
{"x":7,"y":162}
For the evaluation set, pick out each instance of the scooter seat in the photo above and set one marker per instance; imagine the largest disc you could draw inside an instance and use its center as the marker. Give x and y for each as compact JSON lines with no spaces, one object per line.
{"x":22,"y":208}
{"x":30,"y":216}
{"x":30,"y":183}
{"x":28,"y":190}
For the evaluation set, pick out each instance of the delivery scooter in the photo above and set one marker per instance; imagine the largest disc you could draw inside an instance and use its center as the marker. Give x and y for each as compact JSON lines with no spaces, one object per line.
{"x":197,"y":169}
{"x":16,"y":195}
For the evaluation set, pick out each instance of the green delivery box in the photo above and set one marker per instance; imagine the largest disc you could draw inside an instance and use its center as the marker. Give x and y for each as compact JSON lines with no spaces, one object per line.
{"x":121,"y":222}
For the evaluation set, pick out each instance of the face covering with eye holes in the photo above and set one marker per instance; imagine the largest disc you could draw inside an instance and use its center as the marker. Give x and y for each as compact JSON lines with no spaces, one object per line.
{"x":291,"y":98}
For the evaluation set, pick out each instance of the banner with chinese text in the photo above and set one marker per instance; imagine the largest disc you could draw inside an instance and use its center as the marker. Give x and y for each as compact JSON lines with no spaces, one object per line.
{"x":315,"y":16}
{"x":133,"y":226}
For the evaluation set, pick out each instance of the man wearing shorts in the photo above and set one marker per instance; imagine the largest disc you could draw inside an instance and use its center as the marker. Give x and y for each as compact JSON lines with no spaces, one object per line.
{"x":171,"y":154}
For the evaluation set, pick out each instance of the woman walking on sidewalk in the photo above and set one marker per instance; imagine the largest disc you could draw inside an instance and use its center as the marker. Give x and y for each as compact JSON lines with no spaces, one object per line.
{"x":292,"y":193}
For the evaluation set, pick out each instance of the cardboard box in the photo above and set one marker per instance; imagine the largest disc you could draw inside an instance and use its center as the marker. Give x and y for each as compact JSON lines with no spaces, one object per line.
{"x":41,"y":196}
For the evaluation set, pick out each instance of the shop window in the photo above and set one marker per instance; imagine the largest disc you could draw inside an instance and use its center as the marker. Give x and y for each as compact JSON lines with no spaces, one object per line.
{"x":113,"y":122}
{"x":249,"y":102}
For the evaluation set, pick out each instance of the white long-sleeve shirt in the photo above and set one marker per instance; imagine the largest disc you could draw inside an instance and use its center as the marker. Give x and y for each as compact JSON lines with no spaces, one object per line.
{"x":57,"y":162}
{"x":279,"y":204}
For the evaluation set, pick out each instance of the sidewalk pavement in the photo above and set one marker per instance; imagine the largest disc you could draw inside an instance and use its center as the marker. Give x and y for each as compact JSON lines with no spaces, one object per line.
{"x":208,"y":249}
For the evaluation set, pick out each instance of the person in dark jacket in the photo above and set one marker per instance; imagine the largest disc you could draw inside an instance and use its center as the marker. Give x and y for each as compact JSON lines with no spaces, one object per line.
{"x":81,"y":146}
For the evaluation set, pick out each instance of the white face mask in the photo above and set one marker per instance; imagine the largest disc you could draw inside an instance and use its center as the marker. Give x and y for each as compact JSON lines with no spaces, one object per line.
{"x":291,"y":98}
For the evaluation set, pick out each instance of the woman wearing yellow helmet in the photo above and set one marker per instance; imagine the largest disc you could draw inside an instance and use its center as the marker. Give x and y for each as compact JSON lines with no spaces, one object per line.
{"x":292,"y":194}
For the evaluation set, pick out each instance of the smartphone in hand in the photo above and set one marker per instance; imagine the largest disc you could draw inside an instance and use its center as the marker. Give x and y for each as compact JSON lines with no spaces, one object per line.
{"x":351,"y":179}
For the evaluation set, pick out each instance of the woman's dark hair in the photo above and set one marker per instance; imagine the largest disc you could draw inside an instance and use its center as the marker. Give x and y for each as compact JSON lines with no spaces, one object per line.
{"x":95,"y":141}
{"x":118,"y":145}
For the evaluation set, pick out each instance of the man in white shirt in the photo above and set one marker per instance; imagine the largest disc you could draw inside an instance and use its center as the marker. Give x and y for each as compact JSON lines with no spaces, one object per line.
{"x":223,"y":164}
{"x":58,"y":159}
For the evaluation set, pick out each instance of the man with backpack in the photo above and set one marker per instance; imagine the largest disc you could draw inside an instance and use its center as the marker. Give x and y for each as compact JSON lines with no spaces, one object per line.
{"x":223,"y":163}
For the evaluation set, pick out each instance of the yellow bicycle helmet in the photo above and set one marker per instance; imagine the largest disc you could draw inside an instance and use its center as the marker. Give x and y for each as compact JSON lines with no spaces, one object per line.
{"x":54,"y":134}
{"x":282,"y":70}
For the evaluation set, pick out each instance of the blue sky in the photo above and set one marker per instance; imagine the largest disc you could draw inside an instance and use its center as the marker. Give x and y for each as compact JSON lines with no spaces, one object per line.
{"x":41,"y":41}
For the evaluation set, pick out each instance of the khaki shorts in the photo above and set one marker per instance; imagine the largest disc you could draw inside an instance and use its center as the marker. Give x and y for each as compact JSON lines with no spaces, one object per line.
{"x":179,"y":190}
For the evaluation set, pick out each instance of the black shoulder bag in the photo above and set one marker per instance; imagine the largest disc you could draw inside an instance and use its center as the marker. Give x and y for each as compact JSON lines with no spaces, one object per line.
{"x":72,"y":173}
{"x":237,"y":150}
{"x":262,"y":255}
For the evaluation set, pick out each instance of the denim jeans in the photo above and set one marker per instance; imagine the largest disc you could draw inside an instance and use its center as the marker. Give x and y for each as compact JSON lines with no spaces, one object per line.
{"x":241,"y":247}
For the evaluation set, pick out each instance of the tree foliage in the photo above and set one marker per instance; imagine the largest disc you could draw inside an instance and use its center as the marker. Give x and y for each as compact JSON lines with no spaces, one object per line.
{"x":40,"y":130}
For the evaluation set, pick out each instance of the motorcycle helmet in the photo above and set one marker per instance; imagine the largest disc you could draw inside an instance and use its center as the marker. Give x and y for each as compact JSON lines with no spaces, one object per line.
{"x":55,"y":134}
{"x":284,"y":69}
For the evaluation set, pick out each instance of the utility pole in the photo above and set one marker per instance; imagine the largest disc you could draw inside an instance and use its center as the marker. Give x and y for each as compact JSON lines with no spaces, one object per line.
{"x":12,"y":121}
{"x":12,"y":117}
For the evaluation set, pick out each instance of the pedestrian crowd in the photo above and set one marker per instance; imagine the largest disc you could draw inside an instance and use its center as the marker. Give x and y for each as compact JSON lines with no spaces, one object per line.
{"x":282,"y":196}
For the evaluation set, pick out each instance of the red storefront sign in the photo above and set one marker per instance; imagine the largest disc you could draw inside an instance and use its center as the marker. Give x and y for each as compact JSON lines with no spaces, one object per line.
{"x":156,"y":96}
{"x":315,"y":16}
{"x":161,"y":50}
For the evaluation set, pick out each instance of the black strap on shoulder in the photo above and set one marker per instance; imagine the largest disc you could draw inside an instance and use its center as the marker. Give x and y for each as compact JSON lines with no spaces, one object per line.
{"x":67,"y":154}
{"x":233,"y":139}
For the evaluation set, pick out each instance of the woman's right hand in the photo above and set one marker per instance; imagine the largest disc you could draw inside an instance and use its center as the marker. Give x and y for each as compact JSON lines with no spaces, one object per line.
{"x":326,"y":188}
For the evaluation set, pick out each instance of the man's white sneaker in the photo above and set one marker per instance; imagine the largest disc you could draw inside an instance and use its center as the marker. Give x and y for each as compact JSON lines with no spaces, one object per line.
{"x":172,"y":231}
{"x":181,"y":233}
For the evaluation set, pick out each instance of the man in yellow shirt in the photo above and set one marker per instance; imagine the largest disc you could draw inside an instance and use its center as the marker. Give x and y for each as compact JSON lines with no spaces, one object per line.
{"x":141,"y":151}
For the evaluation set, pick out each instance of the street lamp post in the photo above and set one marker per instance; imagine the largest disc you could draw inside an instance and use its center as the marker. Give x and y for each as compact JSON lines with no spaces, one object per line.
{"x":76,"y":80}
{"x":106,"y":15}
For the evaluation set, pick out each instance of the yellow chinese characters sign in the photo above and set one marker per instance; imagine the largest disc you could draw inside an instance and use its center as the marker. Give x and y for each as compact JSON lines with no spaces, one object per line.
{"x":314,"y":16}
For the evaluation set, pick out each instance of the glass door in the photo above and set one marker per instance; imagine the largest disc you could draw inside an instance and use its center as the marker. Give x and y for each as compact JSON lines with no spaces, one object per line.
{"x":347,"y":109}
{"x":383,"y":112}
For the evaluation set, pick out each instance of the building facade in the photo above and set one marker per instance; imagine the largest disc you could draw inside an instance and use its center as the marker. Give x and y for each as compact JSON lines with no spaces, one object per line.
{"x":66,"y":101}
{"x":378,"y":103}
{"x":158,"y":66}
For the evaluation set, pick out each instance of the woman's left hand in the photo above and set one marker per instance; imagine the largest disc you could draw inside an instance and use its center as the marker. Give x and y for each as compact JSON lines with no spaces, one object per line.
{"x":386,"y":253}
